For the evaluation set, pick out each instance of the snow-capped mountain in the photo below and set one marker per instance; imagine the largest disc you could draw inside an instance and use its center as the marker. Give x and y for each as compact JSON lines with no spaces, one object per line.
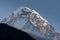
{"x":30,"y":21}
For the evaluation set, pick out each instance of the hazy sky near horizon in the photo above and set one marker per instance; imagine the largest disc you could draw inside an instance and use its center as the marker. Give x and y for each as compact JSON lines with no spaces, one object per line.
{"x":48,"y":9}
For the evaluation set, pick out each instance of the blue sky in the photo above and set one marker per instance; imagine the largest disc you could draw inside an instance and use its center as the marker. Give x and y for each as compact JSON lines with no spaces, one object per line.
{"x":49,"y":9}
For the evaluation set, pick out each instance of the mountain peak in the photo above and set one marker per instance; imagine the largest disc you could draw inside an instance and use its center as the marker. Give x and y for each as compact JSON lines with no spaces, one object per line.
{"x":22,"y":9}
{"x":32,"y":22}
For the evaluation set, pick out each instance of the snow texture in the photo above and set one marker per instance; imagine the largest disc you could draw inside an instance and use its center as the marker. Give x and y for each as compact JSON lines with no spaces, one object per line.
{"x":32,"y":22}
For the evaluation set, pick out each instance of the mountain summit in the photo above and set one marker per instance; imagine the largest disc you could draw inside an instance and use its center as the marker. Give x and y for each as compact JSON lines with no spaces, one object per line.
{"x":31,"y":22}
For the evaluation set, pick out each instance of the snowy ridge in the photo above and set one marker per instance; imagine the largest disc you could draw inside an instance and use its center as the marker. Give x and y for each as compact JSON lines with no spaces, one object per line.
{"x":39,"y":17}
{"x":32,"y":22}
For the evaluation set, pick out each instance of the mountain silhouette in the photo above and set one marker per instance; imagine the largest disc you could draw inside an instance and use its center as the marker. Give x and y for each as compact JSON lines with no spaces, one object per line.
{"x":9,"y":33}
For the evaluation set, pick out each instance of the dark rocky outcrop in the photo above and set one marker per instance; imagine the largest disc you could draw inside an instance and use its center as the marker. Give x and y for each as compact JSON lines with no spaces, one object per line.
{"x":9,"y":33}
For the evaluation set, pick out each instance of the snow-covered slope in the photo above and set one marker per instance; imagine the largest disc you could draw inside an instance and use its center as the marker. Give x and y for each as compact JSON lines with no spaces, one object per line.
{"x":30,"y":21}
